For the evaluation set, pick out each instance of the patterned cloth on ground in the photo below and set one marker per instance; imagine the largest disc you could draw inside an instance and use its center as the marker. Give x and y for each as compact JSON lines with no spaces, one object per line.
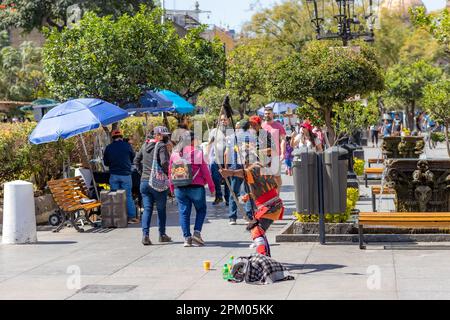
{"x":259,"y":269}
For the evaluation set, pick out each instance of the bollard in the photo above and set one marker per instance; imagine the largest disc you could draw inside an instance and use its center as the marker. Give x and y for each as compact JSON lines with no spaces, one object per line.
{"x":19,"y":218}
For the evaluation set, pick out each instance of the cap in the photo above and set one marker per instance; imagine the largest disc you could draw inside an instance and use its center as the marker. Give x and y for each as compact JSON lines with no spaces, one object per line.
{"x":255,"y":120}
{"x":116,"y":133}
{"x":306,"y":125}
{"x":161,"y":130}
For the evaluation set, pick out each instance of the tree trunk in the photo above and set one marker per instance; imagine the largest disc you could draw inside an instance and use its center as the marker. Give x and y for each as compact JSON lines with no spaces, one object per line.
{"x":447,"y":138}
{"x":411,"y":123}
{"x":328,"y":123}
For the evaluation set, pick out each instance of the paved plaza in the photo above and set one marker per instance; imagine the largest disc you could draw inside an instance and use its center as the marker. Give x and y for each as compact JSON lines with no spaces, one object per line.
{"x":113,"y":264}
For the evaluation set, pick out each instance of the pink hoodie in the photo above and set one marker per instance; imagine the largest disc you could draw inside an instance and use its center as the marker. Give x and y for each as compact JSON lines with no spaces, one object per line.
{"x":198,"y":163}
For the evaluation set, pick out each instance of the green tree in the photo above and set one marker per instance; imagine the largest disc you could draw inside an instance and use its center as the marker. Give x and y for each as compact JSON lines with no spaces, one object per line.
{"x":437,"y":24}
{"x":212,"y":98}
{"x":246,"y":72}
{"x":199,"y":64}
{"x":30,"y":14}
{"x":111,"y":60}
{"x":390,"y":37}
{"x":436,"y":101}
{"x":322,"y":76}
{"x":405,"y":82}
{"x":4,"y":39}
{"x":286,"y":26}
{"x":21,"y":73}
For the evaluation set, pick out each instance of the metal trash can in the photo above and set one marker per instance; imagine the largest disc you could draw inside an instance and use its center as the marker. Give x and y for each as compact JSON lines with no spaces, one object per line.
{"x":305,"y":181}
{"x":335,"y":180}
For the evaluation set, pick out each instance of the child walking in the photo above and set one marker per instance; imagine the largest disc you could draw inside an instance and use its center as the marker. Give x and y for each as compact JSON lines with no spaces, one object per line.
{"x":288,"y":157}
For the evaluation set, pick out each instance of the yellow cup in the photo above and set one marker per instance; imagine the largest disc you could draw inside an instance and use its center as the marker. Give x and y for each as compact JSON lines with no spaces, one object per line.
{"x":206,"y":265}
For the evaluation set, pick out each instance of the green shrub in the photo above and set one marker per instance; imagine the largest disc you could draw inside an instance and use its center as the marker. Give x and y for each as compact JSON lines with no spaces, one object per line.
{"x":437,"y":137}
{"x":352,"y":198}
{"x":358,"y":166}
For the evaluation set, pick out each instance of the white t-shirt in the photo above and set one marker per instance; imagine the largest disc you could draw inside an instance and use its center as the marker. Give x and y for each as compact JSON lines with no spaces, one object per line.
{"x":299,"y":141}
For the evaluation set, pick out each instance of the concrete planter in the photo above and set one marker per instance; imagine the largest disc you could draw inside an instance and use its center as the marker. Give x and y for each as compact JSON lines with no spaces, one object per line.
{"x":348,"y":232}
{"x":44,"y":206}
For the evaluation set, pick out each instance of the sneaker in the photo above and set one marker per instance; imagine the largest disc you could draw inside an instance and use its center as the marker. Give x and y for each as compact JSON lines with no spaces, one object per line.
{"x":227,"y":204}
{"x":146,"y":241}
{"x":188,"y":242}
{"x":217,"y":201}
{"x":197,"y":238}
{"x":232,"y":222}
{"x":165,"y":238}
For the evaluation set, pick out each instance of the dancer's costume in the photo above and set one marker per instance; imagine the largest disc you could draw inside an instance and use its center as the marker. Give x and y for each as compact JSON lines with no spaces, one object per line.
{"x":269,"y":206}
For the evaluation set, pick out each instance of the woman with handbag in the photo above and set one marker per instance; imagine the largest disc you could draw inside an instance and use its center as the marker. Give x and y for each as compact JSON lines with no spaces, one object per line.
{"x":152,"y":162}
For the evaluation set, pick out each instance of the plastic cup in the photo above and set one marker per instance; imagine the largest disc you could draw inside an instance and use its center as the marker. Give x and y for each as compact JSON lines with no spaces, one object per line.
{"x":206,"y":265}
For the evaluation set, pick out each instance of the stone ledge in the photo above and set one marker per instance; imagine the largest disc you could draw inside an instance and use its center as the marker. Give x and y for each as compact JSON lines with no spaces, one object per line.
{"x":287,"y":235}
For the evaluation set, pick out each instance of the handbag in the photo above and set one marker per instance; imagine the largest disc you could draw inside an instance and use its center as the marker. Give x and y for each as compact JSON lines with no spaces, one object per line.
{"x":158,"y":179}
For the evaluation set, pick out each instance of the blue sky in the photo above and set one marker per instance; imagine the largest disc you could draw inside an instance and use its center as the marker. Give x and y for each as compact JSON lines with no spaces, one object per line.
{"x":234,"y":13}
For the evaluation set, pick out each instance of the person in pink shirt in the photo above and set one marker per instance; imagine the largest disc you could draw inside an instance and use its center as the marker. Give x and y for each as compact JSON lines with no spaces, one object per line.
{"x":278,"y":133}
{"x":193,"y":193}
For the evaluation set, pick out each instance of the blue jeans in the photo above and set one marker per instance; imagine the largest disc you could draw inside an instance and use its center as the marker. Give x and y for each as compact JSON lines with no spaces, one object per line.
{"x":149,"y":197}
{"x":186,"y":197}
{"x":236,"y":184}
{"x":217,"y":178}
{"x":117,"y":182}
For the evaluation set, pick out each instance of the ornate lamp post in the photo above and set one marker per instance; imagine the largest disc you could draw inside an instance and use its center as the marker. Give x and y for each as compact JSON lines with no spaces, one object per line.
{"x":348,"y":15}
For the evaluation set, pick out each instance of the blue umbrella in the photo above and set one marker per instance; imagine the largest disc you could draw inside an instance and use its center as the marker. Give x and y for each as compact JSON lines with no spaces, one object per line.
{"x":278,"y":107}
{"x":151,"y":102}
{"x":75,"y":117}
{"x":179,"y":103}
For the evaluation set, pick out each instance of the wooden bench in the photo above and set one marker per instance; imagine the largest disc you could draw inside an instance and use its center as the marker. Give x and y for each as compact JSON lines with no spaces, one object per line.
{"x":376,"y":190}
{"x":68,"y":194}
{"x":374,"y":161}
{"x":402,"y":219}
{"x":368,"y":171}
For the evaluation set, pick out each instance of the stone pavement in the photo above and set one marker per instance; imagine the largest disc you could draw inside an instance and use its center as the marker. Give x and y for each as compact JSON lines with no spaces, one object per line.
{"x":121,"y":268}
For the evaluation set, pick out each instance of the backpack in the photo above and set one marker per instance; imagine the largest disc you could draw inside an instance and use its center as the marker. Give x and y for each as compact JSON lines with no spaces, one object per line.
{"x":181,"y":173}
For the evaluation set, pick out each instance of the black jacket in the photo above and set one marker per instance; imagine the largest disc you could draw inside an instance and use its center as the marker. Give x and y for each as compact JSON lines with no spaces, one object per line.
{"x":144,"y":159}
{"x":118,"y":156}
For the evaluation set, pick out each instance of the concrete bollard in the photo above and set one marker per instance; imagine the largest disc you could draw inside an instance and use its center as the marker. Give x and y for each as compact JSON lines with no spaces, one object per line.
{"x":19,"y":219}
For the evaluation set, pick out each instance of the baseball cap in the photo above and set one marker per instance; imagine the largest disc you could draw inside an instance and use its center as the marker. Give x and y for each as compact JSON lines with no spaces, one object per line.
{"x":306,"y":125}
{"x":116,"y":133}
{"x":161,"y":130}
{"x":255,"y":120}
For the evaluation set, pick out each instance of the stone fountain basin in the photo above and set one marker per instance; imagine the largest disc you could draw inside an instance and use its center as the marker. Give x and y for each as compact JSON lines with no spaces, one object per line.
{"x":348,"y":232}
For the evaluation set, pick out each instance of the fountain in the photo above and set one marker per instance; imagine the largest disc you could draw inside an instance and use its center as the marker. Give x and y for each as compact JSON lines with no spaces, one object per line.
{"x":421,"y":185}
{"x":402,"y":147}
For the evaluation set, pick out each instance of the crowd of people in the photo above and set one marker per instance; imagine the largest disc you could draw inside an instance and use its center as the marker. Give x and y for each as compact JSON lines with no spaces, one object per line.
{"x":424,"y":125}
{"x":245,"y":159}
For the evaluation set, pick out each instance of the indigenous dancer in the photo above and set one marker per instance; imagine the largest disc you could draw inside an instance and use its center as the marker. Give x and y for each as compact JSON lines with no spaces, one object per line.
{"x":263,"y":190}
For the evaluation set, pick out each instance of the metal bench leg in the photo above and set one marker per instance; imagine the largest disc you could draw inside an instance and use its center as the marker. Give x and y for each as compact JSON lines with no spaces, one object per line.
{"x":365,"y":178}
{"x":374,"y":200}
{"x":73,"y":222}
{"x":361,"y":237}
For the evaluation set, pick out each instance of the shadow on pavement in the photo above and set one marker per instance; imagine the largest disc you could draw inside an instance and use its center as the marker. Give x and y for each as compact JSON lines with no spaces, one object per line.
{"x":313,"y":267}
{"x":56,"y":242}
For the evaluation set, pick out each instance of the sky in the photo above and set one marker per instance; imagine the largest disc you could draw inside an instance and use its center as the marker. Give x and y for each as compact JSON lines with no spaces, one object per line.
{"x":233,"y":13}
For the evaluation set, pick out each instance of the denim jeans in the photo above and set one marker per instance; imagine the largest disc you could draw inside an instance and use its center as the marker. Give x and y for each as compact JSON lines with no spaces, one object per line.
{"x":117,"y":182}
{"x":217,"y":178}
{"x":186,"y":197}
{"x":236,"y":184}
{"x":149,"y":197}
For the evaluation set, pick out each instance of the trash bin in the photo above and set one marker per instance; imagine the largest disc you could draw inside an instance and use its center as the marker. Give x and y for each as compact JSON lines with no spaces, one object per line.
{"x":335,"y":180}
{"x":305,"y":181}
{"x":19,"y":217}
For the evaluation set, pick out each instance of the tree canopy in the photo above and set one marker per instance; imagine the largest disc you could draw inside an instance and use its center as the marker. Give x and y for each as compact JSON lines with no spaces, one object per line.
{"x":30,"y":14}
{"x":116,"y":60}
{"x":405,"y":82}
{"x":321,"y":76}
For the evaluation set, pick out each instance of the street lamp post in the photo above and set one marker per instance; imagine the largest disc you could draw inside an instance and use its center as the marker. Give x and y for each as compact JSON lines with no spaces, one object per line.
{"x":347,"y":17}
